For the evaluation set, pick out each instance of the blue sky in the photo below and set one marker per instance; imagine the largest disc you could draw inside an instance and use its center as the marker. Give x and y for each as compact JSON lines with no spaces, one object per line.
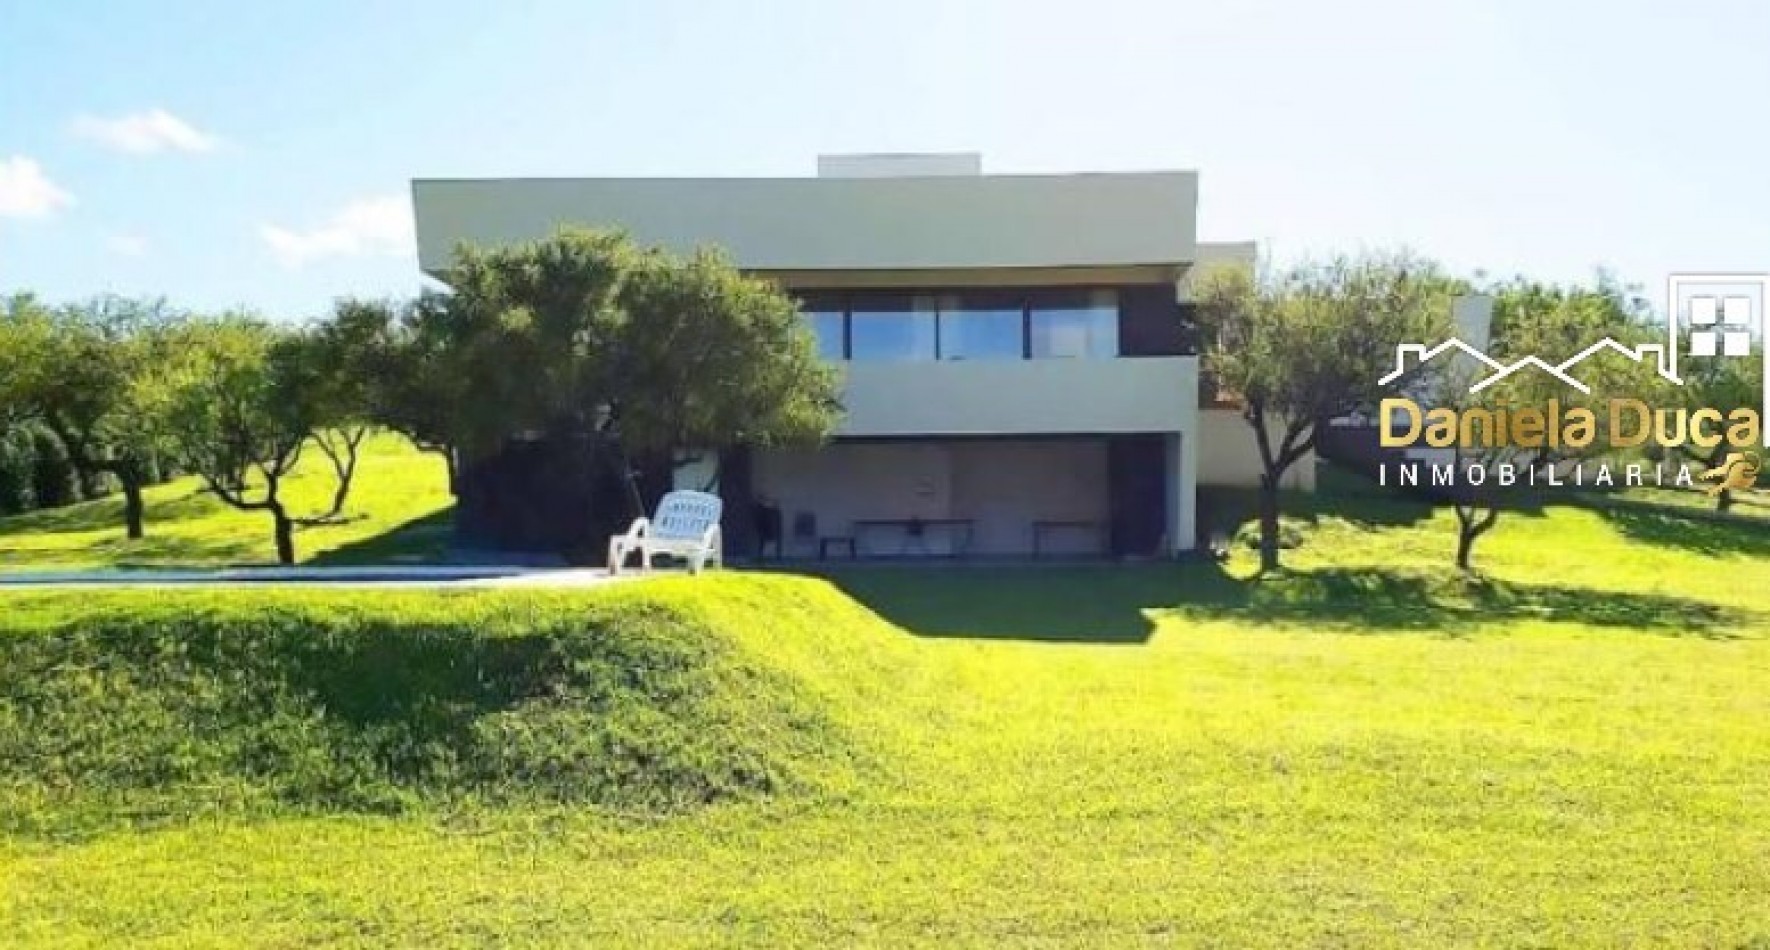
{"x":230,"y":154}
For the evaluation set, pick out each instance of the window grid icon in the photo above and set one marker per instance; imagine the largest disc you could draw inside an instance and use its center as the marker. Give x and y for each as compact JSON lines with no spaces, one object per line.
{"x":1729,"y":320}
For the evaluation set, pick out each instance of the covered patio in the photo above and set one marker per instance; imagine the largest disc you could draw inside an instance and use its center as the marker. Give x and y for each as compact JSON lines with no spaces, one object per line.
{"x":980,"y":497}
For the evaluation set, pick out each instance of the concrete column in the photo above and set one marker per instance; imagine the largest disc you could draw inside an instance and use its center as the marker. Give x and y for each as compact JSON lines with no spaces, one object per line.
{"x":697,"y":471}
{"x":1182,"y":468}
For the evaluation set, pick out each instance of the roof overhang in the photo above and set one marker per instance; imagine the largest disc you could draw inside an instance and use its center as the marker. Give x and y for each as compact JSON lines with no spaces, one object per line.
{"x":1142,"y":221}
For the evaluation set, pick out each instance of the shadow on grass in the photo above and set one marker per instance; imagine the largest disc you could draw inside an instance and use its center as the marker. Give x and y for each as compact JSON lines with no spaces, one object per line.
{"x":1356,"y":497}
{"x":96,"y":530}
{"x":1703,"y":532}
{"x":1096,"y":603}
{"x":1347,"y":496}
{"x":156,"y":550}
{"x":1379,"y":601}
{"x":420,"y":541}
{"x":1122,"y":604}
{"x":107,"y":513}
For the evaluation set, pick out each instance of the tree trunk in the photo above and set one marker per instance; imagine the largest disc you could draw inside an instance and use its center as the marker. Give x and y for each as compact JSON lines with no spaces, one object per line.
{"x":1268,"y":524}
{"x":285,"y":536}
{"x":1472,"y":523}
{"x":132,"y":505}
{"x":630,"y":476}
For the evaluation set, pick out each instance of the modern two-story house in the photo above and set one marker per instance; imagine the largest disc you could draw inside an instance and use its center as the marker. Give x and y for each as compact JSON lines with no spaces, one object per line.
{"x":1019,"y":370}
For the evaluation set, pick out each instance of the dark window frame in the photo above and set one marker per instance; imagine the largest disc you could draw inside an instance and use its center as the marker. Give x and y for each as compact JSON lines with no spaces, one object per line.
{"x":1026,"y":300}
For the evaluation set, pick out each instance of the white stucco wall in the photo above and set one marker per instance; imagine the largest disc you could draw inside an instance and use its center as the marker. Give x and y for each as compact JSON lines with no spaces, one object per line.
{"x":951,"y":221}
{"x":899,"y":164}
{"x":1228,"y":454}
{"x":1142,"y":394}
{"x":1182,"y":494}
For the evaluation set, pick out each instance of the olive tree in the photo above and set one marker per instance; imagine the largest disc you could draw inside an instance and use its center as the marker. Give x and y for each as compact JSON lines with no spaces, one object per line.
{"x":332,"y":374}
{"x":249,"y":401}
{"x":91,"y":374}
{"x":399,"y":356}
{"x":646,"y":354}
{"x":1550,"y":322}
{"x":1298,"y":348}
{"x":707,"y":358}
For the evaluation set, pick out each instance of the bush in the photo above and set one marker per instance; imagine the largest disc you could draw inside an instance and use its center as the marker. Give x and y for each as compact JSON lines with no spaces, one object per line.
{"x":53,"y":480}
{"x":35,"y":472}
{"x":173,"y":706}
{"x":17,"y":467}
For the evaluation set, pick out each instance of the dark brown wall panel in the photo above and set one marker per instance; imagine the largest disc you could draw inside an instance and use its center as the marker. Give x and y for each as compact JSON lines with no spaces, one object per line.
{"x":1151,"y":322}
{"x":1136,"y":478}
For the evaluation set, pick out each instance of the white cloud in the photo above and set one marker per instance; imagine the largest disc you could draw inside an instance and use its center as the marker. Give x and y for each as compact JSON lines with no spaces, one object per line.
{"x":144,"y":133}
{"x":25,"y":192}
{"x":379,"y":226}
{"x":127,"y":245}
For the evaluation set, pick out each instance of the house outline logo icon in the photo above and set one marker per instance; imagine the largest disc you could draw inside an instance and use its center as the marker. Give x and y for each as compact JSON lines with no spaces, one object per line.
{"x":1722,"y":311}
{"x":1665,"y":357}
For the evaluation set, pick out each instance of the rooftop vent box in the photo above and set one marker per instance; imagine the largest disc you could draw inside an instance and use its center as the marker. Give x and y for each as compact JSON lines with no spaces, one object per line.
{"x":900,"y":165}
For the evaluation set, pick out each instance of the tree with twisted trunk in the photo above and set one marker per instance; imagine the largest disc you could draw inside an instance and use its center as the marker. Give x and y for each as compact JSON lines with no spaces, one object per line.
{"x":1300,"y":348}
{"x":92,"y":373}
{"x":250,"y":402}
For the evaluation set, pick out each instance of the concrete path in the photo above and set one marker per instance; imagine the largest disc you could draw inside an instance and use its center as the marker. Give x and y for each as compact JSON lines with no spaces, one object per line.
{"x":476,"y":576}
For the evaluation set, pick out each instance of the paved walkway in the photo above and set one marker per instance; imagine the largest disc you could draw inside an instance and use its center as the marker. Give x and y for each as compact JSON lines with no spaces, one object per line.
{"x":384,"y":576}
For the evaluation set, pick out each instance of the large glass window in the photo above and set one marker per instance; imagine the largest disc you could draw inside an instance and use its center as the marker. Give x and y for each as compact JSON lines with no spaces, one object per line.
{"x":982,"y":328}
{"x":828,"y":326}
{"x":883,"y":326}
{"x":1075,"y":325}
{"x":891,"y":328}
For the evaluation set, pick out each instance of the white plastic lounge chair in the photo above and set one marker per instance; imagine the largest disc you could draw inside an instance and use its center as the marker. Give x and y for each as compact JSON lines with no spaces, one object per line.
{"x":686,"y":525}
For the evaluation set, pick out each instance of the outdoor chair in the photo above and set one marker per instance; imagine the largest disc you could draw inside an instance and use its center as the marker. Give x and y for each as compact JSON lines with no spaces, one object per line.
{"x":686,"y":525}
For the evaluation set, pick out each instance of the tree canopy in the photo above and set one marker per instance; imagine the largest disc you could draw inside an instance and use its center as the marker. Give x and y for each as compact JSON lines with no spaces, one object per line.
{"x":647,"y":353}
{"x":642,"y":355}
{"x":1298,"y":348}
{"x":251,"y":398}
{"x":92,"y":373}
{"x":1553,"y":322}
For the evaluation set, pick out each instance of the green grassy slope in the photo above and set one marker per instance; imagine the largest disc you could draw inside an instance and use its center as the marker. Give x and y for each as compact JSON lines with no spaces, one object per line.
{"x":1574,"y":751}
{"x":133,"y":707}
{"x":396,"y":487}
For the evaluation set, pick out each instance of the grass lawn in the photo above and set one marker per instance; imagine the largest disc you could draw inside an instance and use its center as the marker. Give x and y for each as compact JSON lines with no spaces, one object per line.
{"x":1368,"y":752}
{"x":1746,"y":504}
{"x":396,"y":487}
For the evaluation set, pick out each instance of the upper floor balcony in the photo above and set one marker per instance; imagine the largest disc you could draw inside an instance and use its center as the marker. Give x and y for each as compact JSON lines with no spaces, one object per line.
{"x":1008,"y":360}
{"x":1020,"y":397}
{"x":995,"y":324}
